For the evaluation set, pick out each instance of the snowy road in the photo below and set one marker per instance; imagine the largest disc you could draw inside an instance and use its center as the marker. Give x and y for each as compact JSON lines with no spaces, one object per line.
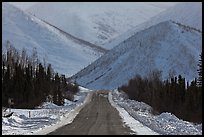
{"x":97,"y":117}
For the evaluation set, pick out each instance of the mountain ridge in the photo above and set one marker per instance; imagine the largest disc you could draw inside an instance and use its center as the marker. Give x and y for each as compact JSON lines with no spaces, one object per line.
{"x":166,"y":47}
{"x":96,"y":22}
{"x":178,"y":13}
{"x":26,"y":31}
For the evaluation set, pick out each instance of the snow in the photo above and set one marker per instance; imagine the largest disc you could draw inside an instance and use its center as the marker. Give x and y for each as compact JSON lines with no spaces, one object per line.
{"x":97,"y":22}
{"x":24,"y":31}
{"x":168,"y":47}
{"x":134,"y":125}
{"x":45,"y":118}
{"x":163,"y":124}
{"x":188,"y":13}
{"x":83,"y":89}
{"x":23,"y":5}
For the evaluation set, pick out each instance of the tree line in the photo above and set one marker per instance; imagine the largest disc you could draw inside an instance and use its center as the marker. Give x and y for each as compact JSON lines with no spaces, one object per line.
{"x":29,"y":82}
{"x":175,"y":95}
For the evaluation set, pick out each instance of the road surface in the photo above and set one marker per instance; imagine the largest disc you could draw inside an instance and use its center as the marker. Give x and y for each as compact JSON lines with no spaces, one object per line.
{"x":98,"y":117}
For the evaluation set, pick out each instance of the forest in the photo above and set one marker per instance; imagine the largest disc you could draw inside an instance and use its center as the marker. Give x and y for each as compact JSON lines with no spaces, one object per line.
{"x":29,"y":83}
{"x":175,"y":95}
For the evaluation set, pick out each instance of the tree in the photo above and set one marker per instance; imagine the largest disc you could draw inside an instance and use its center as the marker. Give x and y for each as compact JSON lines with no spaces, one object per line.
{"x":56,"y":89}
{"x":181,"y":88}
{"x":3,"y":70}
{"x":48,"y":85}
{"x":49,"y":72}
{"x":27,"y":81}
{"x":5,"y":85}
{"x":168,"y":96}
{"x":200,"y":71}
{"x":23,"y":57}
{"x":34,"y":59}
{"x":28,"y":84}
{"x":40,"y":83}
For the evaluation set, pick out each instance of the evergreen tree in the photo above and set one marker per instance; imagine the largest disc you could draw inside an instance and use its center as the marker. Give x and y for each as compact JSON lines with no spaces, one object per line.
{"x":5,"y":81}
{"x":56,"y":89}
{"x":168,"y":96}
{"x":200,"y":71}
{"x":181,"y":88}
{"x":27,"y":81}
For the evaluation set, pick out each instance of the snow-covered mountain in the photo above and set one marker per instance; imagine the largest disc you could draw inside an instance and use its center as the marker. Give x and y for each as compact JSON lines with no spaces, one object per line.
{"x":97,"y":22}
{"x":67,"y":54}
{"x":168,"y":47}
{"x":188,"y":13}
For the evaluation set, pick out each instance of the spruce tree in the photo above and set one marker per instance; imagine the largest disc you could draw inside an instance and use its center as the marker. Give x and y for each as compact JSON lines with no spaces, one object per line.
{"x":200,"y":71}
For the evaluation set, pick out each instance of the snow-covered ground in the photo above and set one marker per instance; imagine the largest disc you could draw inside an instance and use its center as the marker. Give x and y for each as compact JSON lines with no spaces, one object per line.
{"x":134,"y":124}
{"x":137,"y":115}
{"x":164,"y":123}
{"x":45,"y":118}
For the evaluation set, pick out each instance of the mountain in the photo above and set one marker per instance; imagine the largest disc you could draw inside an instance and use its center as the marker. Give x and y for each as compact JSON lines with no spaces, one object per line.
{"x":169,"y":47}
{"x":96,"y":22}
{"x":187,"y":13}
{"x":66,"y":53}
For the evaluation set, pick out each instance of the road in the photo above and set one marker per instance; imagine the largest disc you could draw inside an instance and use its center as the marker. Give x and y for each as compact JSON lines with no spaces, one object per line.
{"x":98,"y":117}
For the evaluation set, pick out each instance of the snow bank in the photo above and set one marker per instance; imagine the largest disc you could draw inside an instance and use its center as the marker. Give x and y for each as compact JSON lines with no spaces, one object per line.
{"x":66,"y":119}
{"x":134,"y":125}
{"x":164,"y":124}
{"x":45,"y":118}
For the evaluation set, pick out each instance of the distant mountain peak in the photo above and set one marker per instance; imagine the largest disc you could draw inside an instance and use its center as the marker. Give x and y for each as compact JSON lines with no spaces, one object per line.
{"x":96,"y":22}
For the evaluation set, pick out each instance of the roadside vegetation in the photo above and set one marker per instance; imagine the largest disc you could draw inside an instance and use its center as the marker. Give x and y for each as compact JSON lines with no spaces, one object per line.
{"x":175,"y":95}
{"x":29,"y":83}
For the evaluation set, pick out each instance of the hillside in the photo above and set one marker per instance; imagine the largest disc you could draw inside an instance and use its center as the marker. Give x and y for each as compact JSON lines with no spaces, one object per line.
{"x":168,"y":47}
{"x":187,"y":13}
{"x":66,"y":53}
{"x":96,"y":22}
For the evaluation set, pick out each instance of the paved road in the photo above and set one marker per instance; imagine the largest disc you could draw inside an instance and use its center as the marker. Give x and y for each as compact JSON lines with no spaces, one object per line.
{"x":98,"y":117}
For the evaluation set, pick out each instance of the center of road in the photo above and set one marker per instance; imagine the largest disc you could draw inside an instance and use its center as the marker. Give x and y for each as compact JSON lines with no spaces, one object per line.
{"x":98,"y":117}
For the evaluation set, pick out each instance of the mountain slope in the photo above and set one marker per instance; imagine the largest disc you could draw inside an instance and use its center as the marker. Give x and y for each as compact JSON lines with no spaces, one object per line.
{"x":66,"y":54}
{"x":168,"y":47}
{"x":96,"y":22}
{"x":188,"y":13}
